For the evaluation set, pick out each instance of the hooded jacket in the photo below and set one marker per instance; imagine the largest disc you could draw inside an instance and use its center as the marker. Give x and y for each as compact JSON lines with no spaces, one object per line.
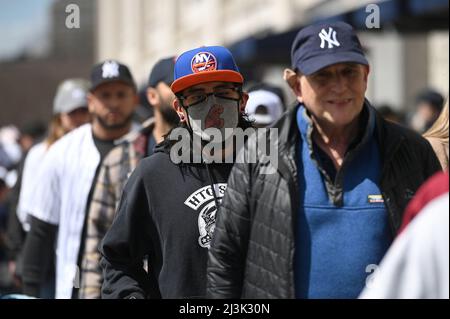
{"x":167,"y":213}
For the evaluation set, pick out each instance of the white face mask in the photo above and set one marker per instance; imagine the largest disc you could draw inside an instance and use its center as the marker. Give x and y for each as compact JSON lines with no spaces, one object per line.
{"x":214,"y":112}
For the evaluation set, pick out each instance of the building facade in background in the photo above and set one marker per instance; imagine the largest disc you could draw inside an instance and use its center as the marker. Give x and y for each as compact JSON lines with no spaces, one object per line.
{"x":409,"y":52}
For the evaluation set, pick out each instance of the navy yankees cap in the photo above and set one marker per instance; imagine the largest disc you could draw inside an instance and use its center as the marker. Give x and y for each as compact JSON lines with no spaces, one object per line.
{"x":321,"y":45}
{"x":110,"y":71}
{"x":162,"y":72}
{"x":205,"y":64}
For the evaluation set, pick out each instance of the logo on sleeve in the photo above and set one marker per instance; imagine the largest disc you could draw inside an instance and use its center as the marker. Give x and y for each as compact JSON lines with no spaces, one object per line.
{"x":202,"y":200}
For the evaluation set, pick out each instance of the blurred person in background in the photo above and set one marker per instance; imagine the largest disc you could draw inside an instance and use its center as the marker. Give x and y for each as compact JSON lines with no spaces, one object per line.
{"x":144,"y":110}
{"x":69,"y":112}
{"x":67,"y":178}
{"x":10,"y":150}
{"x":117,"y":167}
{"x":6,"y":280}
{"x":264,"y":106}
{"x":30,"y":134}
{"x":429,"y":105}
{"x":437,"y":135}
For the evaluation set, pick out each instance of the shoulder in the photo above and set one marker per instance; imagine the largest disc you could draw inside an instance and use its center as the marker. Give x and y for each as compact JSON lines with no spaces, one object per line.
{"x":138,"y":130}
{"x":74,"y":137}
{"x":434,"y":187}
{"x":70,"y":145}
{"x":437,"y":144}
{"x":36,"y":152}
{"x":156,"y":161}
{"x":129,"y":144}
{"x":393,"y":132}
{"x":116,"y":155}
{"x":430,"y":228}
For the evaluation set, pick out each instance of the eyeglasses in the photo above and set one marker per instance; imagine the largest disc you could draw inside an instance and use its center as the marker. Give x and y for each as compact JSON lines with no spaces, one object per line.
{"x":229,"y":93}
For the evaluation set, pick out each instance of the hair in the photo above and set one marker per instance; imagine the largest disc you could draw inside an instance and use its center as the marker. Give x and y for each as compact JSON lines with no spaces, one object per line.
{"x":55,"y":130}
{"x":431,"y":97}
{"x":439,"y":129}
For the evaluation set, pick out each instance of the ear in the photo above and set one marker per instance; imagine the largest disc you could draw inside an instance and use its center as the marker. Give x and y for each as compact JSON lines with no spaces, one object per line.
{"x":366,"y":72}
{"x":152,"y":96}
{"x":298,"y":89}
{"x":244,"y":100}
{"x":294,"y":82}
{"x":91,"y":102}
{"x":180,"y":110}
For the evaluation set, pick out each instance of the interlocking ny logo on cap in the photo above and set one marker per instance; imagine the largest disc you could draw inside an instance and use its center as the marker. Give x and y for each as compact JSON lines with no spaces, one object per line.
{"x":110,"y":69}
{"x":324,"y":36}
{"x":203,"y":61}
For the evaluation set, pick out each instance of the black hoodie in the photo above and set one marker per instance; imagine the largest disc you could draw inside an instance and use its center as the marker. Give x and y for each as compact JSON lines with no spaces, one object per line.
{"x":167,"y":212}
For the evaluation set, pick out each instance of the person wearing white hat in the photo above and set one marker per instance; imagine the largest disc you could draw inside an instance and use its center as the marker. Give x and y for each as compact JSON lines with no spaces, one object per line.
{"x":69,"y":112}
{"x":264,"y":107}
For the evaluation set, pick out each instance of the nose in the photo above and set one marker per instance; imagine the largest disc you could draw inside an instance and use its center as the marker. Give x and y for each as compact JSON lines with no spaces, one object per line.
{"x":113,"y":103}
{"x":339,"y":83}
{"x":213,"y":119}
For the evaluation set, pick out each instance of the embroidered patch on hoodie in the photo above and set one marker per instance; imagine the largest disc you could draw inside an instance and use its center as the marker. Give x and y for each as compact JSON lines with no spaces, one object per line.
{"x":375,"y":199}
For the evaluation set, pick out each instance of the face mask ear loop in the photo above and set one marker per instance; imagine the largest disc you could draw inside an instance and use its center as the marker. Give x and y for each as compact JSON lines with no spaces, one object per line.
{"x":187,"y":119}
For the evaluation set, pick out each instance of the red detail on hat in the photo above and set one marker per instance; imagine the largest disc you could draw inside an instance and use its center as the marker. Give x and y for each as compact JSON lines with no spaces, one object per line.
{"x":203,"y":61}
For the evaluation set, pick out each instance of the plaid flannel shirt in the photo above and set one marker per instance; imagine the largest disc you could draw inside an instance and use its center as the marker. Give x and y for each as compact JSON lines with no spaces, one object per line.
{"x":114,"y":172}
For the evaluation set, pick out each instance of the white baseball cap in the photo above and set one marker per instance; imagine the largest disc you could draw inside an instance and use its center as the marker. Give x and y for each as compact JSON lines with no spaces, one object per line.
{"x":264,"y":107}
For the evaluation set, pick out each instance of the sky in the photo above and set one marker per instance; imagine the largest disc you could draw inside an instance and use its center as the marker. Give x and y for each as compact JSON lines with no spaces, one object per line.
{"x":23,"y":26}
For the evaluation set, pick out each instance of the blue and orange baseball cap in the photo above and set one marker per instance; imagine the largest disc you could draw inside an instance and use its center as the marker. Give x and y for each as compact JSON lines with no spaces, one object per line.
{"x":205,"y":64}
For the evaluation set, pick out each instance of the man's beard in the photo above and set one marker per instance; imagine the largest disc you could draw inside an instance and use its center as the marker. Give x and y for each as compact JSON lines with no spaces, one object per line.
{"x":114,"y":126}
{"x":169,"y":115}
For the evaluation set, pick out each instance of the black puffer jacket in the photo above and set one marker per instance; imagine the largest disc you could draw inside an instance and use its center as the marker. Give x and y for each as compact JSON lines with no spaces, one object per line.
{"x":252,"y":253}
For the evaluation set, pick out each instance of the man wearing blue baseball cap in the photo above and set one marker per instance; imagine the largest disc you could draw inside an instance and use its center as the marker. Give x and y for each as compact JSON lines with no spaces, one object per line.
{"x":208,"y":86}
{"x":168,"y":207}
{"x":317,"y":226}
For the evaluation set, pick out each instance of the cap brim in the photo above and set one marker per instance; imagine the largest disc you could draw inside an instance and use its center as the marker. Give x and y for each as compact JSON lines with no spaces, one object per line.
{"x":72,"y":107}
{"x":262,"y":119}
{"x":129,"y":83}
{"x":204,"y":77}
{"x":314,"y":64}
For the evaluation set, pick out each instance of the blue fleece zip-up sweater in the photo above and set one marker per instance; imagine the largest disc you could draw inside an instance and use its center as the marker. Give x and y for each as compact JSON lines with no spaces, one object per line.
{"x":338,"y":244}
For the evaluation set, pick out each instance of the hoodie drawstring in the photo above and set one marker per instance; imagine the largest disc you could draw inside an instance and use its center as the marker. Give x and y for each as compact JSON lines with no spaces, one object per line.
{"x":211,"y":181}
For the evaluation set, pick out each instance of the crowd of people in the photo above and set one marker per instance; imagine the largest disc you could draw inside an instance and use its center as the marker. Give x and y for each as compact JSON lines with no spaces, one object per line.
{"x":101,"y":203}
